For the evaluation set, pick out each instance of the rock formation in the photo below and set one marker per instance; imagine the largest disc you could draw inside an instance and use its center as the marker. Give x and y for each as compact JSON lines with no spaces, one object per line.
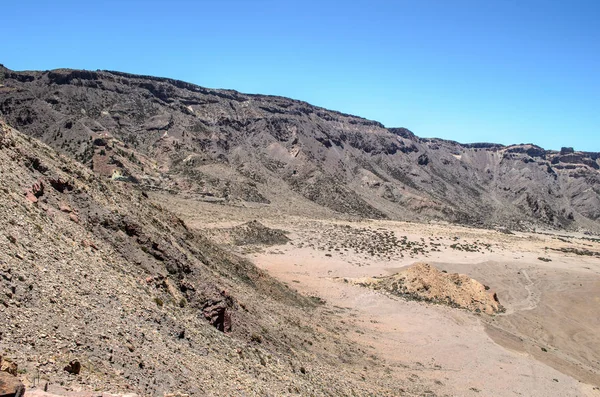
{"x":424,"y":282}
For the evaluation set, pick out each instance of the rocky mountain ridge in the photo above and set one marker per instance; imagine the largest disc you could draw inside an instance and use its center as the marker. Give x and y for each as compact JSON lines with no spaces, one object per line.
{"x":224,"y":146}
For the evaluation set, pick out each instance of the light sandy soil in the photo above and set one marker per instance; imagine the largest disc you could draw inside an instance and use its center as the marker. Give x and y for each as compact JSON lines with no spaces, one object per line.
{"x":546,"y":344}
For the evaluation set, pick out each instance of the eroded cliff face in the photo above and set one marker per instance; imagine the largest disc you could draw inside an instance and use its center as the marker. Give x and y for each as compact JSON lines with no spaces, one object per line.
{"x":226,"y":146}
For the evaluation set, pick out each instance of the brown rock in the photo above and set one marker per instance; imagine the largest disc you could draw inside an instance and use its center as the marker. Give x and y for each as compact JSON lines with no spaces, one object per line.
{"x":35,"y":191}
{"x":38,"y":189}
{"x":31,"y":197}
{"x":10,"y":386}
{"x":227,"y":321}
{"x":64,"y":207}
{"x":10,"y":367}
{"x":88,"y":243}
{"x":74,"y":218}
{"x":218,"y":314}
{"x":60,"y":185}
{"x":74,"y":367}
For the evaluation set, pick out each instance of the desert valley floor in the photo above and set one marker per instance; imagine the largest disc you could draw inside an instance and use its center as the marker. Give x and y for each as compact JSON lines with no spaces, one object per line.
{"x":545,"y":343}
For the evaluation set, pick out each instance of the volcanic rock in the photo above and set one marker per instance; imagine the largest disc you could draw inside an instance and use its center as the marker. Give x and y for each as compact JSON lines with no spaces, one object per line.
{"x":74,"y":367}
{"x":225,"y":146}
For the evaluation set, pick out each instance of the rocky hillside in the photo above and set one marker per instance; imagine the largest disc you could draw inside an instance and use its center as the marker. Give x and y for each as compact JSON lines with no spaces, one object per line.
{"x":100,"y":289}
{"x":226,"y":146}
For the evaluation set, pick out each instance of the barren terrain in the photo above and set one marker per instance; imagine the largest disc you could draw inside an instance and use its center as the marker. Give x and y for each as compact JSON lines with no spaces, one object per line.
{"x":161,"y":238}
{"x":226,"y":146}
{"x":104,"y":290}
{"x":545,"y":344}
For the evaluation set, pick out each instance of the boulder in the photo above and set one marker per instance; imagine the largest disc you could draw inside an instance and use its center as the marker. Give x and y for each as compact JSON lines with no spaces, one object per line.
{"x":65,"y":208}
{"x":74,"y":367}
{"x":566,"y":150}
{"x":10,"y":386}
{"x":35,"y":191}
{"x":218,"y":315}
{"x":8,"y":366}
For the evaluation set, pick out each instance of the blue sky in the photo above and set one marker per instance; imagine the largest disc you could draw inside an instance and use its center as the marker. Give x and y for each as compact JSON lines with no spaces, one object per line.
{"x":510,"y":71}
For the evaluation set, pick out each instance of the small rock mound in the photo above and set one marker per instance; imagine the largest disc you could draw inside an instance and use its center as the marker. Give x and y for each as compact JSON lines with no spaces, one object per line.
{"x":424,"y":282}
{"x":254,"y":232}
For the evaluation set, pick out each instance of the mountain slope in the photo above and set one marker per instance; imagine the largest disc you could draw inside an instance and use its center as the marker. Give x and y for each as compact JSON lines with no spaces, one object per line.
{"x":92,"y":272}
{"x":226,"y":146}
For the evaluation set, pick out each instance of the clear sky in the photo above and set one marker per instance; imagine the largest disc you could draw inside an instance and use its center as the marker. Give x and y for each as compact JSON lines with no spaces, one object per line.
{"x":507,"y":71}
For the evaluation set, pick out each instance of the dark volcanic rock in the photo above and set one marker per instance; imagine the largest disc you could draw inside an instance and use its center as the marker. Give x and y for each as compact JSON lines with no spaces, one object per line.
{"x":218,"y":315}
{"x":566,"y":150}
{"x":227,"y":146}
{"x":74,"y":367}
{"x":255,"y":232}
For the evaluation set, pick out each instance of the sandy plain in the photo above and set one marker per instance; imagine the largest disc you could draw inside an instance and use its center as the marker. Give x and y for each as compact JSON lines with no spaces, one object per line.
{"x":546,"y":343}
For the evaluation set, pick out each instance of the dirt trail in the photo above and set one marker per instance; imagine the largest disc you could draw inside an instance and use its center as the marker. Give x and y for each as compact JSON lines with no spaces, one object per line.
{"x":532,"y":299}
